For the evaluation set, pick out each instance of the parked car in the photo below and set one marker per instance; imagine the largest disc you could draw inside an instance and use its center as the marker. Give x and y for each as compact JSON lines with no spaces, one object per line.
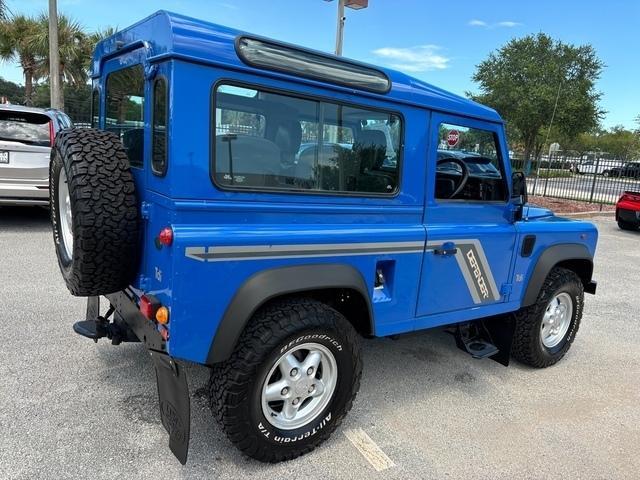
{"x":631,"y":169}
{"x":600,"y":167}
{"x":628,"y":211}
{"x":26,"y":137}
{"x":266,"y":259}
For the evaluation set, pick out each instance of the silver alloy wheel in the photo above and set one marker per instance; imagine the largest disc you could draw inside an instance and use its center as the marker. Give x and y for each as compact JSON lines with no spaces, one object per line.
{"x":299,"y":386}
{"x":556,"y":320}
{"x":65,"y":215}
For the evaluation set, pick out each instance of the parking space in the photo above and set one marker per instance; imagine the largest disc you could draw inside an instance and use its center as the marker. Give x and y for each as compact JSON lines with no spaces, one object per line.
{"x":73,"y":409}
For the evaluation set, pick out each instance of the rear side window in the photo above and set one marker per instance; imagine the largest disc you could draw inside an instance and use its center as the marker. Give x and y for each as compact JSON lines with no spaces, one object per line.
{"x":268,"y":140}
{"x":25,"y":127}
{"x":125,"y":110}
{"x":159,"y":131}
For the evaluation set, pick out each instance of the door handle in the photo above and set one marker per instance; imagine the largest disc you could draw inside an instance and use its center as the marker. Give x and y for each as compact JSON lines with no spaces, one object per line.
{"x":447,"y":248}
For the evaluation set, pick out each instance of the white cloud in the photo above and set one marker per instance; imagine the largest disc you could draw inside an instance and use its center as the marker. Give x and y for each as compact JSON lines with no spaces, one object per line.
{"x":509,"y":24}
{"x":477,"y":23}
{"x":421,"y":58}
{"x":505,"y":23}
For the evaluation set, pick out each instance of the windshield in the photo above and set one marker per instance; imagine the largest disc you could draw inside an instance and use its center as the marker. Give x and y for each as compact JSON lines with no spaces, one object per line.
{"x":25,"y":127}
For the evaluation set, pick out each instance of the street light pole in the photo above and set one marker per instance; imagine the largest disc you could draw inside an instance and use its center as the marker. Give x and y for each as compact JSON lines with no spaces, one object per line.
{"x":54,"y":58}
{"x":340,"y":27}
{"x":354,"y":4}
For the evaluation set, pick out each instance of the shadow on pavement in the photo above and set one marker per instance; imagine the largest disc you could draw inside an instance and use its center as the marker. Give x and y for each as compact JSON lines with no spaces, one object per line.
{"x":24,"y":218}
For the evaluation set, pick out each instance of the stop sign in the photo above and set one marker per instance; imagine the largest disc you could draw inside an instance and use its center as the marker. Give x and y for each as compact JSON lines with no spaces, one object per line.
{"x":453,"y":137}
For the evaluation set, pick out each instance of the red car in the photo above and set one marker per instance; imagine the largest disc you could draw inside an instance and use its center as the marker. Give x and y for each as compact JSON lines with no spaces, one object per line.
{"x":628,"y":211}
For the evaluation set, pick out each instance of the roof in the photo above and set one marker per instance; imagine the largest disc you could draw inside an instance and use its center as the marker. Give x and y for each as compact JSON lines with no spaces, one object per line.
{"x":170,"y":35}
{"x":21,"y":108}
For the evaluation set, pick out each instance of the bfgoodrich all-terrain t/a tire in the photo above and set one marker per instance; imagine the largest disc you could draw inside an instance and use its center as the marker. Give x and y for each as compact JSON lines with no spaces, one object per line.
{"x":290,"y":381}
{"x":545,"y":330}
{"x":93,"y":211}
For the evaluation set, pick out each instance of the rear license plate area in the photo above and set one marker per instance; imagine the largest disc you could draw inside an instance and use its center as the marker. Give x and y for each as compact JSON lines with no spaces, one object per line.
{"x":4,"y":156}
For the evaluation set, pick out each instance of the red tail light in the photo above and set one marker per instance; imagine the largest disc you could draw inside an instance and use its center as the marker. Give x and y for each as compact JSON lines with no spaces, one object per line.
{"x":149,"y":306}
{"x":52,"y":135}
{"x":166,"y":236}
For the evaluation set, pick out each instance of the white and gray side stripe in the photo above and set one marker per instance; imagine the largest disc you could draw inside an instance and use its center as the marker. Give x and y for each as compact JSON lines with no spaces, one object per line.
{"x":475,"y":269}
{"x":271,"y":252}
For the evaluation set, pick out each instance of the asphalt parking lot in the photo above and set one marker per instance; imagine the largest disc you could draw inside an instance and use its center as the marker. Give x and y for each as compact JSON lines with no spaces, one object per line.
{"x":73,"y":409}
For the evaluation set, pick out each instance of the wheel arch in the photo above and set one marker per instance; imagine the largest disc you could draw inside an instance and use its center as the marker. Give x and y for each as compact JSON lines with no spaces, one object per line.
{"x":572,"y":256}
{"x":329,"y":282}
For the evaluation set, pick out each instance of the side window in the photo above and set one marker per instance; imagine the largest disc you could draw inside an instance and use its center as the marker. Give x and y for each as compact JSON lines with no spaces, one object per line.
{"x":125,"y":110}
{"x":267,"y":140}
{"x":95,"y":108}
{"x":159,"y":131}
{"x":469,"y":165}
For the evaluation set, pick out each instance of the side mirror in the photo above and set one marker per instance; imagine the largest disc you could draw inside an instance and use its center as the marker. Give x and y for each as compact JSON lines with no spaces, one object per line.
{"x":519,"y":187}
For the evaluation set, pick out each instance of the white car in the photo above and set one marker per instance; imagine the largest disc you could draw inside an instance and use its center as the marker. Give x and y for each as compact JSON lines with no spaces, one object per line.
{"x":26,"y":136}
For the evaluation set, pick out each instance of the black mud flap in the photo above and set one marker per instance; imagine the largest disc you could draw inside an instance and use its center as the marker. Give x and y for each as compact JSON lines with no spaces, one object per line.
{"x":175,"y":410}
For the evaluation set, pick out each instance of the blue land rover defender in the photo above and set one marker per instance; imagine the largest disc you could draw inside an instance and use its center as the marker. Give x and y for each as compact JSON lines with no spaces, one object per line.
{"x":256,"y":207}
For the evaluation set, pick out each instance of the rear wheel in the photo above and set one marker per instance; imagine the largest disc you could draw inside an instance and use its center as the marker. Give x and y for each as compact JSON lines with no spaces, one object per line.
{"x":290,"y":381}
{"x":545,"y":330}
{"x":627,"y":225}
{"x":94,"y":212}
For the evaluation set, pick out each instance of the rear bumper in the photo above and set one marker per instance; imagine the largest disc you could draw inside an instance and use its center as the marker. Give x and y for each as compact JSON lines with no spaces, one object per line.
{"x":126,"y":310}
{"x":24,"y":193}
{"x":627,"y":215}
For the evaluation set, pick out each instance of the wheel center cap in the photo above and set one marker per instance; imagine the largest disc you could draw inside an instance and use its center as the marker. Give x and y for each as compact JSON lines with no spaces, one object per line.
{"x":301,"y":388}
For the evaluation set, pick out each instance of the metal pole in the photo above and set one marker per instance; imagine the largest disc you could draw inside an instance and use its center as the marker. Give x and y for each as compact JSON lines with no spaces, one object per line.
{"x":54,"y":58}
{"x":340,"y":27}
{"x":595,"y":175}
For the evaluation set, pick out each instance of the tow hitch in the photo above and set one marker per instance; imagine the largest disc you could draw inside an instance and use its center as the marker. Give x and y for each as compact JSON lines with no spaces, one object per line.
{"x":129,"y":325}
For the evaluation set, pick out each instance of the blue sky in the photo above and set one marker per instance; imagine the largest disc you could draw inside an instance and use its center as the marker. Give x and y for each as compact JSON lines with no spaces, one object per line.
{"x":439,"y":42}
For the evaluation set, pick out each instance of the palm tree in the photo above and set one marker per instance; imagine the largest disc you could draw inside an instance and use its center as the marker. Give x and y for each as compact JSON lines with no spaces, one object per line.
{"x":73,"y":46}
{"x":16,"y":45}
{"x":3,"y":10}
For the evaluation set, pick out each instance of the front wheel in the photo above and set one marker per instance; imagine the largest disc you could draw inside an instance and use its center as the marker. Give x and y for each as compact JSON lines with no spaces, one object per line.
{"x":290,"y":381}
{"x":545,"y":330}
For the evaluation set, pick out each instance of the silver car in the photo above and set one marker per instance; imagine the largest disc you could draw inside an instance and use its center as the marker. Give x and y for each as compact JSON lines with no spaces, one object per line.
{"x":26,"y":136}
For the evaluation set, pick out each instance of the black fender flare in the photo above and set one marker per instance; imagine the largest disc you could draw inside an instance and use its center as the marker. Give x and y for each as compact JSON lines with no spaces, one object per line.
{"x":551,"y":257}
{"x":268,"y":284}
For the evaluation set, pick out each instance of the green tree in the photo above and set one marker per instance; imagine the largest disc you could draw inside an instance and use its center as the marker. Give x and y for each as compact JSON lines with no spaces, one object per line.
{"x":16,"y":44}
{"x":524,"y":79}
{"x":73,"y":45}
{"x":12,"y":91}
{"x":620,"y":143}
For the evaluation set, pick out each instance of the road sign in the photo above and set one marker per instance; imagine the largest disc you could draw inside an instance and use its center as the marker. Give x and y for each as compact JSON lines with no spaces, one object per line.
{"x":453,"y":137}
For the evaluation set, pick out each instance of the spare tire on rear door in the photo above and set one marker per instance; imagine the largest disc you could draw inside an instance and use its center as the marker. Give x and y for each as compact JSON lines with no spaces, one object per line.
{"x":94,"y":212}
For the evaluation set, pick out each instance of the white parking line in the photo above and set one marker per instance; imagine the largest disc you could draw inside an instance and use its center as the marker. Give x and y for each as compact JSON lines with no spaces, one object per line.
{"x":369,"y":449}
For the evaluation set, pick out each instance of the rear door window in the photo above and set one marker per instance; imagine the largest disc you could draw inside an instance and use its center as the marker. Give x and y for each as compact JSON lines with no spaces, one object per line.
{"x":159,"y":131}
{"x":25,"y":127}
{"x":125,"y":110}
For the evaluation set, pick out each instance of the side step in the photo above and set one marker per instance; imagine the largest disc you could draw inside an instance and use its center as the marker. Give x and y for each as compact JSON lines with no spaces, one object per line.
{"x":486,"y":338}
{"x":96,"y":327}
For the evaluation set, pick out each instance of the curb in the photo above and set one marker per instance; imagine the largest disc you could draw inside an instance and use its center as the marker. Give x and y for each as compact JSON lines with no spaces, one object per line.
{"x":594,"y":213}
